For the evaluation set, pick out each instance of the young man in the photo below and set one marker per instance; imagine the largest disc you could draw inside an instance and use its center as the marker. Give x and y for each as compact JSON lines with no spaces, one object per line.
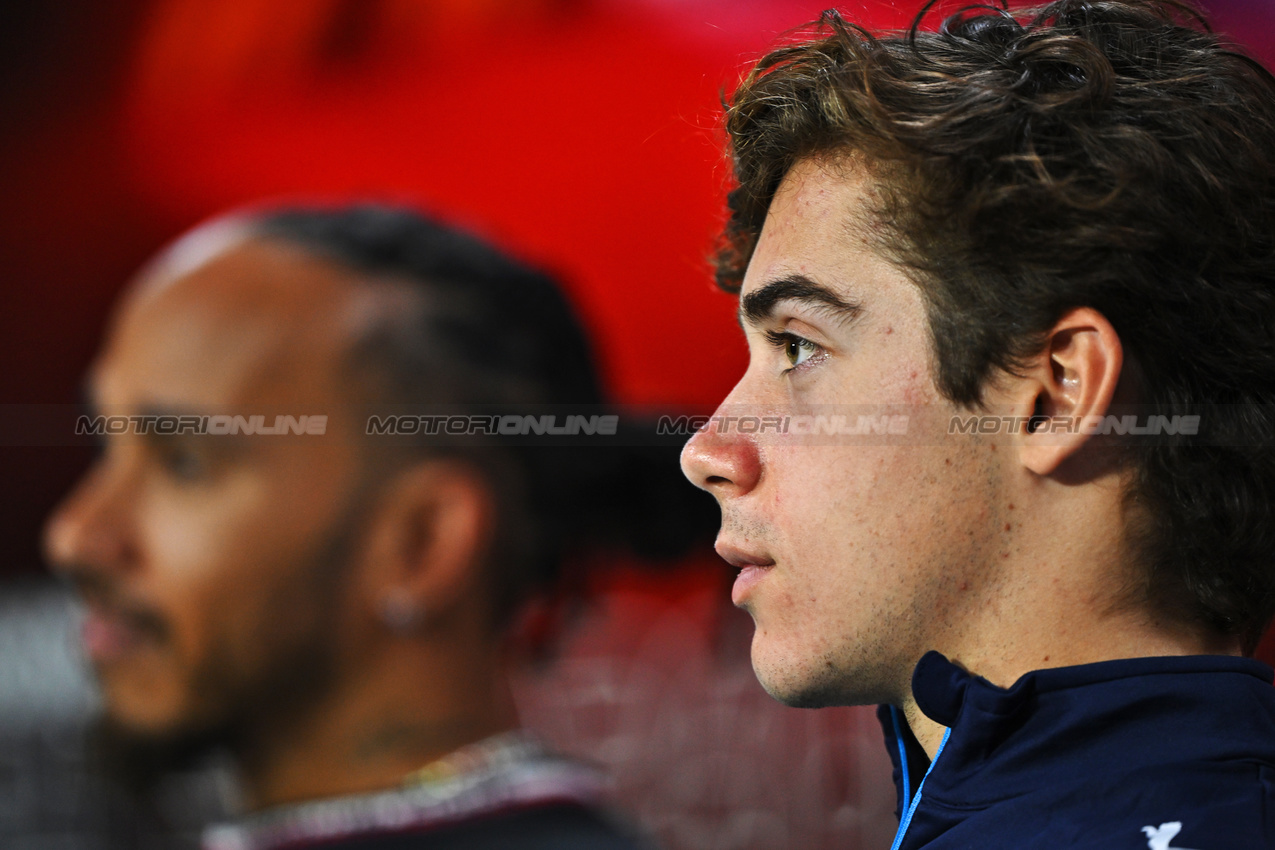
{"x":329,"y":604}
{"x":1057,"y":225}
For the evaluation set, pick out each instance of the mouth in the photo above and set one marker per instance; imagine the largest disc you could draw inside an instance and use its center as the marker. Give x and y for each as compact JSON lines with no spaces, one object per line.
{"x":108,"y":632}
{"x":107,"y":636}
{"x":752,"y":566}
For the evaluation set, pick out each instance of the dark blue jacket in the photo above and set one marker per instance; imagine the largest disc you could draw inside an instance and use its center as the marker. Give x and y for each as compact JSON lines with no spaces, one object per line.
{"x":1159,"y":753}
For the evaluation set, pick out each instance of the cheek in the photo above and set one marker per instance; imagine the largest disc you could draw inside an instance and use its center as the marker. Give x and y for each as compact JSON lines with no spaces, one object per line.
{"x":208,"y":555}
{"x":859,"y":523}
{"x":826,"y":514}
{"x":192,"y":537}
{"x":828,"y":495}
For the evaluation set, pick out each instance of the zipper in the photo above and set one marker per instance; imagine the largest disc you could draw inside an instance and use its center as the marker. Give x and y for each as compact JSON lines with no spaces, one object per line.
{"x":903,"y":761}
{"x":911,"y":809}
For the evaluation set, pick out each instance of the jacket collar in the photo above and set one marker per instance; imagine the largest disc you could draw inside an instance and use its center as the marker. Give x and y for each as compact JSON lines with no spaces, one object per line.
{"x":1058,"y":724}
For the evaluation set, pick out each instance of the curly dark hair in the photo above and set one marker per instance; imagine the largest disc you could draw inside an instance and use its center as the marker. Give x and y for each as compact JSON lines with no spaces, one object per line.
{"x":1114,"y":154}
{"x":483,"y":329}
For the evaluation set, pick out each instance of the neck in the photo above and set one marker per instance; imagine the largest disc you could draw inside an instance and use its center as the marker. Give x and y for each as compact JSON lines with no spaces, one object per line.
{"x":414,"y":704}
{"x":1061,"y":600}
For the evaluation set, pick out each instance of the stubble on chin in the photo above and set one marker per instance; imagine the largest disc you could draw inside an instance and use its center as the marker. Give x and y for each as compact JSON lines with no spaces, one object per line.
{"x":232,"y":707}
{"x":850,"y":667}
{"x":820,"y":683}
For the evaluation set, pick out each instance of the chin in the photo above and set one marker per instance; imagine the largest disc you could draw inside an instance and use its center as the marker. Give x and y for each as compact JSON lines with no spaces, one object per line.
{"x":815,"y":682}
{"x":799,"y":688}
{"x":141,"y":709}
{"x":157,"y":721}
{"x":809,"y":698}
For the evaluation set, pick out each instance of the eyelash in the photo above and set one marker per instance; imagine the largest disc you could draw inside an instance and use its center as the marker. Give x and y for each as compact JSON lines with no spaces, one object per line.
{"x":782,"y":339}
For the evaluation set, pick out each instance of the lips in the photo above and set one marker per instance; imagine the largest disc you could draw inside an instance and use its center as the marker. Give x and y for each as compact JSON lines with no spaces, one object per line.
{"x":752,"y":566}
{"x":106,"y":635}
{"x":111,"y":631}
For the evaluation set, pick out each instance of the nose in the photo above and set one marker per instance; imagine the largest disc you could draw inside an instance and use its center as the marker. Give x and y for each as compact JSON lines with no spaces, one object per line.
{"x":721,"y":458}
{"x":90,"y":529}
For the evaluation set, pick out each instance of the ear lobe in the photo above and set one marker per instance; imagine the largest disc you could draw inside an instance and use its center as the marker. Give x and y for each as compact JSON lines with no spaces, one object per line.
{"x":430,"y":540}
{"x":1072,"y":381}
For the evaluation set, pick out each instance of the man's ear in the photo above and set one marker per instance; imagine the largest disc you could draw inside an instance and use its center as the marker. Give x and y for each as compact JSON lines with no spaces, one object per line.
{"x":1070,"y":382}
{"x":427,"y":543}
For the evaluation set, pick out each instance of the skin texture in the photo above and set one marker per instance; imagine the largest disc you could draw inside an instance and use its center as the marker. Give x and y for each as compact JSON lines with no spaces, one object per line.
{"x":234,"y":584}
{"x":857,"y":558}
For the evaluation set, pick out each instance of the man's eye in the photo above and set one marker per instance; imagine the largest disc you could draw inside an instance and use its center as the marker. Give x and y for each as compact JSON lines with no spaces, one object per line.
{"x":799,"y":350}
{"x":183,"y":464}
{"x":795,"y":348}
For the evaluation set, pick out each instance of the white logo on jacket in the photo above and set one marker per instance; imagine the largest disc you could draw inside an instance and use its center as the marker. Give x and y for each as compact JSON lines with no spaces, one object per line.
{"x":1158,"y":837}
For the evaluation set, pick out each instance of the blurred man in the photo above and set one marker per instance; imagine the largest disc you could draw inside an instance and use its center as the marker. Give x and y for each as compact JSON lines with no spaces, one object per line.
{"x":1044,"y":246}
{"x":262,"y":571}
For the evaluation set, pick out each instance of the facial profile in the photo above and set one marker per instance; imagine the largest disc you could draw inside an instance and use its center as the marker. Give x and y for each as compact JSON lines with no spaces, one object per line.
{"x":852,"y":558}
{"x":212,"y":567}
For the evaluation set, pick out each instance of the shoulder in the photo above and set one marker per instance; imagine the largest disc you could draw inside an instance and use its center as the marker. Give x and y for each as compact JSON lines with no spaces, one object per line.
{"x":1224,"y":805}
{"x":1202,"y":806}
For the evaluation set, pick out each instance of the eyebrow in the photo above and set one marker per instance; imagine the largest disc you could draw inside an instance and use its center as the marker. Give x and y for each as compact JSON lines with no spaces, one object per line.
{"x":228,"y":444}
{"x":759,"y":306}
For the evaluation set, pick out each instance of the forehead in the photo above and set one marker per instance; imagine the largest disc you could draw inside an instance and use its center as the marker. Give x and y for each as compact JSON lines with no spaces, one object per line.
{"x":257,"y":322}
{"x":822,"y":230}
{"x":816,"y":225}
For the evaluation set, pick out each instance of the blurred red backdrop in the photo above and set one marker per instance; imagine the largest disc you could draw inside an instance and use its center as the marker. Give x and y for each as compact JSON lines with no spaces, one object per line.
{"x":583,"y":134}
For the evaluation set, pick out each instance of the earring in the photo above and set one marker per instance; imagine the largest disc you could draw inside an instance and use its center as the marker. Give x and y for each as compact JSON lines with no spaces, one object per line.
{"x":399,"y":611}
